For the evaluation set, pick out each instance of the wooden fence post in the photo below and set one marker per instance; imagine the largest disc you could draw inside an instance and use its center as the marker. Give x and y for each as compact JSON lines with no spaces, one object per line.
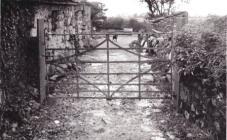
{"x":180,"y":22}
{"x":42,"y":61}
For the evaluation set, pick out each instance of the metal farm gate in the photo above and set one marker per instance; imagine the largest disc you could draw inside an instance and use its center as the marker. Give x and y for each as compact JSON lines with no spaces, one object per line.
{"x":46,"y":51}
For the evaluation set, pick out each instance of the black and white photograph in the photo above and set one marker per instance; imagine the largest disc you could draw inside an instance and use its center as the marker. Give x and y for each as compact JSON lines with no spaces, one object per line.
{"x":113,"y":69}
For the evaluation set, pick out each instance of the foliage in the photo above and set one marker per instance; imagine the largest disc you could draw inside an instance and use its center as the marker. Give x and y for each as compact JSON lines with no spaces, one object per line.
{"x":114,"y":23}
{"x":159,"y":8}
{"x":135,"y":25}
{"x":18,"y":67}
{"x":98,"y":14}
{"x":119,"y":23}
{"x":200,"y":57}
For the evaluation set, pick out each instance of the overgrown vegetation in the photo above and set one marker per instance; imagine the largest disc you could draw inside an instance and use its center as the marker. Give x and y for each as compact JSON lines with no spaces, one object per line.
{"x":18,"y":65}
{"x":200,"y":57}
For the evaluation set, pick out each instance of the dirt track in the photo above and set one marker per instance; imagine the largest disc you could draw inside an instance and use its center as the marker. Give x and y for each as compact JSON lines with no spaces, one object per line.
{"x":99,"y":119}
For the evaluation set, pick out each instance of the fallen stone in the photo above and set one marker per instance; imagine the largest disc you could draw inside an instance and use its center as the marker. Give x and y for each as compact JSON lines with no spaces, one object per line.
{"x":189,"y":135}
{"x":60,"y":70}
{"x":64,"y":66}
{"x":146,"y":128}
{"x":53,"y":78}
{"x":56,"y":121}
{"x":186,"y":114}
{"x":14,"y":125}
{"x":171,"y":136}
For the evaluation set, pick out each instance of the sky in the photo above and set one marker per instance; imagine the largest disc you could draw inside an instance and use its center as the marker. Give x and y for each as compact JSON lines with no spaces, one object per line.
{"x":128,"y":8}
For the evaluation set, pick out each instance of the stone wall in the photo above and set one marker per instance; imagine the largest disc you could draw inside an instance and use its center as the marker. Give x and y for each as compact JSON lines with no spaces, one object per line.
{"x":19,"y":74}
{"x":64,"y":19}
{"x":202,"y":111}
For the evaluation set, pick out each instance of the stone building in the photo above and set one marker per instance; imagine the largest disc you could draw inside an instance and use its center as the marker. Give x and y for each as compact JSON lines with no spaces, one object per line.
{"x":63,"y":17}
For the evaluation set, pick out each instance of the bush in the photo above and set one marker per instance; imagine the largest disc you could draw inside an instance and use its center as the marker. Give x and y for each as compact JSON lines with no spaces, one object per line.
{"x":200,"y":57}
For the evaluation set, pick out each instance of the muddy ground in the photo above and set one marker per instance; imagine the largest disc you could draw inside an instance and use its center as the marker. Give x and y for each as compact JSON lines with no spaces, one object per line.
{"x":119,"y":119}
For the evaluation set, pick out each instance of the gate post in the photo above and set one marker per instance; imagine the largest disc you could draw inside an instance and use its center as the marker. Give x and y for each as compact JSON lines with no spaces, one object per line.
{"x":108,"y":67}
{"x":42,"y":61}
{"x":180,"y":22}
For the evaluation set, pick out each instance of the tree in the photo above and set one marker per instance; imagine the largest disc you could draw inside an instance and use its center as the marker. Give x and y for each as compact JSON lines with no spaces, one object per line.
{"x":133,"y":23}
{"x":98,"y":14}
{"x":159,"y":8}
{"x":114,"y":23}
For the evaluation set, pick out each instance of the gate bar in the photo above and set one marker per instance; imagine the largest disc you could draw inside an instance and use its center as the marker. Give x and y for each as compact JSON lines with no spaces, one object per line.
{"x":94,"y":48}
{"x":95,"y":97}
{"x":124,"y":73}
{"x":117,"y":84}
{"x":134,"y":91}
{"x":147,"y":61}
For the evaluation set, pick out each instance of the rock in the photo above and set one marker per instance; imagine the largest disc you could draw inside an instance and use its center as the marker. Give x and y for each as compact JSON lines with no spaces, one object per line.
{"x":57,"y":122}
{"x":197,"y":112}
{"x":171,"y":136}
{"x":189,"y":135}
{"x":217,"y":126}
{"x":64,"y":66}
{"x":60,"y":70}
{"x":53,"y":78}
{"x":186,"y":114}
{"x":43,"y":131}
{"x":146,"y":128}
{"x":4,"y":135}
{"x":193,"y":108}
{"x":15,"y":125}
{"x":14,"y":129}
